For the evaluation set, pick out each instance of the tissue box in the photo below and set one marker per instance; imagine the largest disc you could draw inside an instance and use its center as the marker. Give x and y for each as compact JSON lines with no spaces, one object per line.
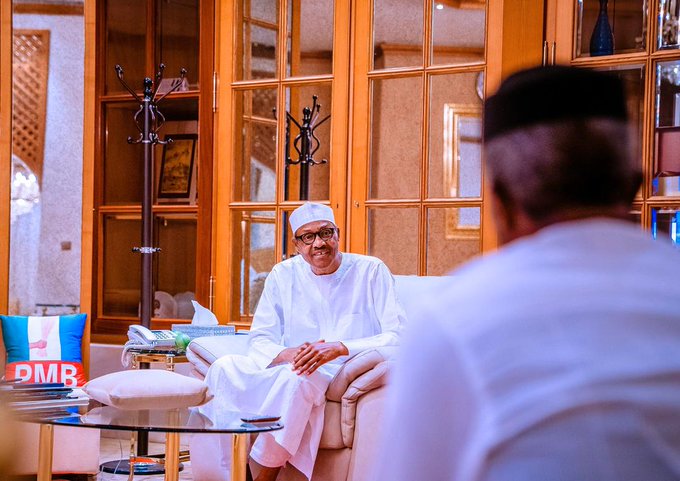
{"x":194,"y":331}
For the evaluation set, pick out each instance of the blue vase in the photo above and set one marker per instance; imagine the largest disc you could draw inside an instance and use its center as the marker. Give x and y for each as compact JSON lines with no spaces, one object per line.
{"x":602,"y":39}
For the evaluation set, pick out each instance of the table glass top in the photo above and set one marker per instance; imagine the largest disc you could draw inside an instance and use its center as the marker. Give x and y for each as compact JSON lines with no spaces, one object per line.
{"x":185,"y":420}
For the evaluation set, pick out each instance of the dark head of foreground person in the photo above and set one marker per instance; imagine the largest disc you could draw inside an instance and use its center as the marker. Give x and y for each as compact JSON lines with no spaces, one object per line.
{"x":555,"y":357}
{"x":558,"y":147}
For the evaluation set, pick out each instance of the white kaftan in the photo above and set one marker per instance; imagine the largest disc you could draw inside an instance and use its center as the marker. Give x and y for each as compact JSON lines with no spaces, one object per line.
{"x":356,"y":304}
{"x":556,"y":358}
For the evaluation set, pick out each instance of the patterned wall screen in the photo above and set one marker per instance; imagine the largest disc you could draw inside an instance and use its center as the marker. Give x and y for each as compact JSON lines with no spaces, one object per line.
{"x":30,"y":67}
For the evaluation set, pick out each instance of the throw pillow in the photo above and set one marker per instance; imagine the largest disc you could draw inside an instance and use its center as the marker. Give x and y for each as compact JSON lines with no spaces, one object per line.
{"x":148,"y":389}
{"x":44,"y":348}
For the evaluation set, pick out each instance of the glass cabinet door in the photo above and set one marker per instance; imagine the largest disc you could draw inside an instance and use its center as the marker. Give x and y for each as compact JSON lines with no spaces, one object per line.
{"x":283,"y":133}
{"x":663,"y":183}
{"x":124,"y":42}
{"x":174,"y":273}
{"x":666,"y":167}
{"x":140,"y":36}
{"x":608,"y":27}
{"x":123,"y":163}
{"x":257,"y":247}
{"x":178,"y":40}
{"x":421,"y":208}
{"x":669,"y":18}
{"x":174,"y":268}
{"x":665,"y":223}
{"x":637,"y":40}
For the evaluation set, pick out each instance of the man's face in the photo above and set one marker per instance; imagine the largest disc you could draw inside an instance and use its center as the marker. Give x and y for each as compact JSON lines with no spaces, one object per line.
{"x":322,"y":255}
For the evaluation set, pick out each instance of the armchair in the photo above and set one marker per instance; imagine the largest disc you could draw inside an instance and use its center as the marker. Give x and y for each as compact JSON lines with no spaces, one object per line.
{"x":356,"y":397}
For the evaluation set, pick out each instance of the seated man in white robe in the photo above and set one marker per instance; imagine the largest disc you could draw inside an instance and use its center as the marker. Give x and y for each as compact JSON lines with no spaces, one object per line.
{"x":317,"y":310}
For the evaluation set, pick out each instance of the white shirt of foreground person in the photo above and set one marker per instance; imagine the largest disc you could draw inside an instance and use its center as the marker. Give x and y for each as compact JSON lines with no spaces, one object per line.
{"x":556,"y":358}
{"x":356,"y":304}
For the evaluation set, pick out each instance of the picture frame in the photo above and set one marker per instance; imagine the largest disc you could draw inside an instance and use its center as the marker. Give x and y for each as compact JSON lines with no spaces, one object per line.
{"x":177,"y":178}
{"x":462,"y":167}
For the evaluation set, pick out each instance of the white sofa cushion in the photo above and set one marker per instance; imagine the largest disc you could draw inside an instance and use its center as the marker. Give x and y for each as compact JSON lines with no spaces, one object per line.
{"x":203,"y":351}
{"x":148,"y":389}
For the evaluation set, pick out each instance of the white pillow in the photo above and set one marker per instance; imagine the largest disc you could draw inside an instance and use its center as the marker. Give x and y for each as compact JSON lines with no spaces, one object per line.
{"x":148,"y":389}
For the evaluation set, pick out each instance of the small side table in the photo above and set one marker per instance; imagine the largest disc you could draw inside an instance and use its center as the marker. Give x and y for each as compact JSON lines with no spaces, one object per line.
{"x":142,"y":359}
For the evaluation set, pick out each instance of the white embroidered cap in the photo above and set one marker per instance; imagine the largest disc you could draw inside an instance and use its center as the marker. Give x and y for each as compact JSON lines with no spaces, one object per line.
{"x":310,"y":212}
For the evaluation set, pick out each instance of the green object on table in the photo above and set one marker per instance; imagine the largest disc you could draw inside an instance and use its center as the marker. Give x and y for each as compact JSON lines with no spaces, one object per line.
{"x":182,"y":340}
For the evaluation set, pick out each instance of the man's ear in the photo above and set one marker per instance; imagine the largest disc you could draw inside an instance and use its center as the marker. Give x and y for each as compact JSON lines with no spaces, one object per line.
{"x":512,"y":221}
{"x":504,"y":212}
{"x":636,"y":183}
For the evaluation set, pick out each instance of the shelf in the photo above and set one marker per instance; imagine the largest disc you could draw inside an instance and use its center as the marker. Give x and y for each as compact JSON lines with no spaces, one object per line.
{"x":125,"y":97}
{"x":157,"y":209}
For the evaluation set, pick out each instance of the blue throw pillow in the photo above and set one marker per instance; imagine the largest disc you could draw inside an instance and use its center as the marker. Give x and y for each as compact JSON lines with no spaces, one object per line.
{"x":44,"y":348}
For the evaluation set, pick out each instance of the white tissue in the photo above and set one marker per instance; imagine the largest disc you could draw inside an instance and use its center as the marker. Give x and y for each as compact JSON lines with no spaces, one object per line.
{"x":203,"y":316}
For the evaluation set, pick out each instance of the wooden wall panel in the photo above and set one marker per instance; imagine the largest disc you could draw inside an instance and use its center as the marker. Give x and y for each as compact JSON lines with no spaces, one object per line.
{"x":5,"y":145}
{"x":89,"y":137}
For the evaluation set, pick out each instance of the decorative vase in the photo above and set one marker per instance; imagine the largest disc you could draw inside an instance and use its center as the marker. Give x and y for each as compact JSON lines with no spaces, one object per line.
{"x":602,"y":39}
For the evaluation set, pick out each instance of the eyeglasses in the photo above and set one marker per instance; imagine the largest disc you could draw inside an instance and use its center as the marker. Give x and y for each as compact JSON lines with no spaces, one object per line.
{"x":324,"y":234}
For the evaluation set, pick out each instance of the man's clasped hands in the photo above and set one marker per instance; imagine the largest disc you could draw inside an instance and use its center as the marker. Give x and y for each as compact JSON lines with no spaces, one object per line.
{"x":309,"y":356}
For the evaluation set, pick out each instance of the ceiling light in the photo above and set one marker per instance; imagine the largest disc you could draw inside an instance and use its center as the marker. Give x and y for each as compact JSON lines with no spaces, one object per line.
{"x":439,"y":6}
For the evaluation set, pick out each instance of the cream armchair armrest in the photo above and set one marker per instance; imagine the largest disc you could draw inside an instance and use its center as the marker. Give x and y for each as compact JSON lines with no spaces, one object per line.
{"x":369,"y":381}
{"x":360,"y":374}
{"x":355,"y":367}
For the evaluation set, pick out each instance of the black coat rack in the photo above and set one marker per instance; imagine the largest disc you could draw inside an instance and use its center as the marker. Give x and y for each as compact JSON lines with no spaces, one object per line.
{"x":148,"y":120}
{"x":305,"y":144}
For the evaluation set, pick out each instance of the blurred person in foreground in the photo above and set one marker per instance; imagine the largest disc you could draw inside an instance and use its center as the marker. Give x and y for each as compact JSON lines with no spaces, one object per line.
{"x":10,"y":436}
{"x":558,"y":356}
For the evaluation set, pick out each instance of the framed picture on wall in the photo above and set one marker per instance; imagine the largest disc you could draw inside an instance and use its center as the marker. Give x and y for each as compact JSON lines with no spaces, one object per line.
{"x":463,"y":167}
{"x":177,"y":179}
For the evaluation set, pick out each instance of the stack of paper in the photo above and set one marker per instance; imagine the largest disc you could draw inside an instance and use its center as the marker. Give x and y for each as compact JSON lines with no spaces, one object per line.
{"x":46,"y":399}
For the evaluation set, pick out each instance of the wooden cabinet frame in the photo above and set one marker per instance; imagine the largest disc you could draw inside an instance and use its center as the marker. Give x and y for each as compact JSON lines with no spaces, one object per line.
{"x":561,"y":25}
{"x":109,"y":328}
{"x":514,"y":33}
{"x":513,"y":41}
{"x":514,"y":38}
{"x":5,"y":145}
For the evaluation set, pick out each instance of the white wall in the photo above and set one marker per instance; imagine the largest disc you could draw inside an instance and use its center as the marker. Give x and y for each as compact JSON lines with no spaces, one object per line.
{"x":40,"y":270}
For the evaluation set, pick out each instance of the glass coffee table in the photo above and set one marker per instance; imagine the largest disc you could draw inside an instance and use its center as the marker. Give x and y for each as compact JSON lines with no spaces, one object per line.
{"x":169,"y":421}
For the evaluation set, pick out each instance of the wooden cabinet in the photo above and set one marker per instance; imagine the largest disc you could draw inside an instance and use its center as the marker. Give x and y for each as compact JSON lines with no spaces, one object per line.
{"x":139,"y":36}
{"x":645,"y":53}
{"x":401,"y":80}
